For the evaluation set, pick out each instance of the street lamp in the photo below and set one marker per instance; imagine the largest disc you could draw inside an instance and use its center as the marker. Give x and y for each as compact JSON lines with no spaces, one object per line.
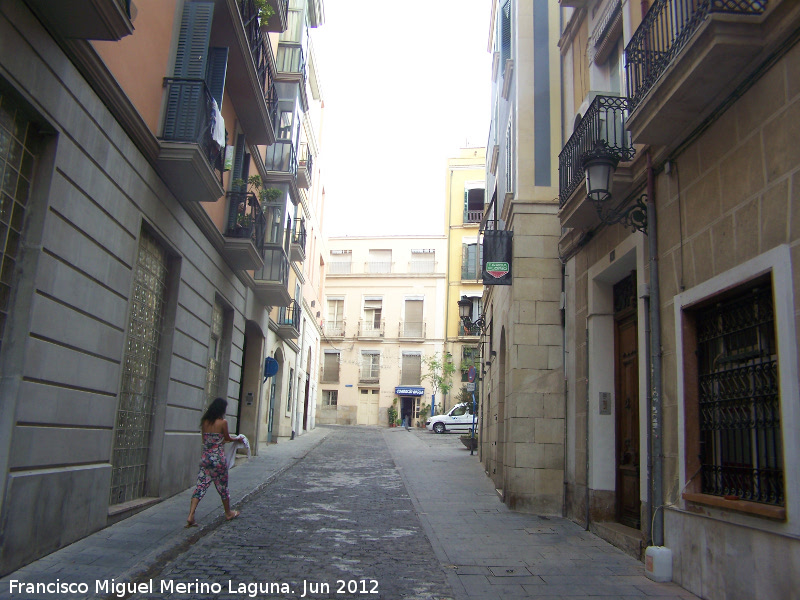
{"x":599,"y":165}
{"x":465,"y":312}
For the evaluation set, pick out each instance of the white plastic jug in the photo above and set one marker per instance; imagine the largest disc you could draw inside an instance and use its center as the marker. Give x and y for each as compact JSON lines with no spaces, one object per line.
{"x":658,"y":563}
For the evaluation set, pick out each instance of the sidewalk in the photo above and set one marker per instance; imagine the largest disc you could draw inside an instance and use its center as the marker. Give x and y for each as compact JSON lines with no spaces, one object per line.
{"x":493,"y":553}
{"x":131,"y":547}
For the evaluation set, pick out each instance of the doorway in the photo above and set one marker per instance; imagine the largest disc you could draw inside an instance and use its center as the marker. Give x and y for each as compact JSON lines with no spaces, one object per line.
{"x":626,"y":384}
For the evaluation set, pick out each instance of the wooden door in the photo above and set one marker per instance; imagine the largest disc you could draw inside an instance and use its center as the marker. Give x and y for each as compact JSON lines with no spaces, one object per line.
{"x":627,"y":420}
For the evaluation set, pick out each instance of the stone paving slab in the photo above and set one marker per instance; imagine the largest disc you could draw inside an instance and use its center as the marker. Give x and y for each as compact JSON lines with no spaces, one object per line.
{"x":495,"y":553}
{"x":130,"y":547}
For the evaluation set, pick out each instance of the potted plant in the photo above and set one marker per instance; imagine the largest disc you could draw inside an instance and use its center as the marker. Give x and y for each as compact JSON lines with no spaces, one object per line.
{"x":423,"y":414}
{"x":266,"y":16}
{"x":392,"y":414}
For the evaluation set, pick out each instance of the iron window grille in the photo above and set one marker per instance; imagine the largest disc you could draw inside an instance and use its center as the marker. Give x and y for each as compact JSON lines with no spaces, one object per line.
{"x":739,"y":399}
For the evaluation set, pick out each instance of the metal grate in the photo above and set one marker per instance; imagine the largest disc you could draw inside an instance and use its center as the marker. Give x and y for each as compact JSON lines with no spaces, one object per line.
{"x":739,"y":399}
{"x":18,"y":148}
{"x":137,"y":394}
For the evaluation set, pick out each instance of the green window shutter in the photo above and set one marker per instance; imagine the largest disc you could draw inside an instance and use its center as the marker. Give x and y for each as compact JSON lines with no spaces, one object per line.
{"x":215,"y":78}
{"x":466,"y":204}
{"x":192,"y":52}
{"x":184,"y":114}
{"x":464,"y":260}
{"x":239,"y":162}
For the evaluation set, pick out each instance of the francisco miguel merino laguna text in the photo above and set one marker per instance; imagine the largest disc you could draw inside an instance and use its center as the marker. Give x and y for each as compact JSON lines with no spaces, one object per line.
{"x":164,"y":586}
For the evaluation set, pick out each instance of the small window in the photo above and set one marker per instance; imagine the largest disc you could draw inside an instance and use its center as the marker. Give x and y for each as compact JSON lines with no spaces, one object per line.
{"x":330,"y":397}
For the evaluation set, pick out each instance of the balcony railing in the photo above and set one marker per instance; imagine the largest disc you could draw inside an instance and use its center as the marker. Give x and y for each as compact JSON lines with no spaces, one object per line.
{"x":412,"y":329}
{"x":189,"y":117}
{"x":463,"y":331}
{"x":334,"y":328}
{"x":377,"y":267}
{"x":289,"y":320}
{"x":604,"y":121}
{"x":298,"y":242}
{"x":473,"y":216}
{"x":422,"y":266}
{"x":281,"y":157}
{"x":258,"y":42}
{"x":663,"y":33}
{"x":276,"y":266}
{"x":245,"y":218}
{"x":370,"y":328}
{"x":305,"y":164}
{"x":341,"y":267}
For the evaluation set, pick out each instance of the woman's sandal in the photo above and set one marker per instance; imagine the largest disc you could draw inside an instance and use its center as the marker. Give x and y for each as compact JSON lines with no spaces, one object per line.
{"x":190,"y":524}
{"x":236,"y":513}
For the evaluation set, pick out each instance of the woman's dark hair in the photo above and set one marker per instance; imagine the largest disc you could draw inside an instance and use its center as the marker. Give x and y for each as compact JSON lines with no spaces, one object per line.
{"x":216,"y":410}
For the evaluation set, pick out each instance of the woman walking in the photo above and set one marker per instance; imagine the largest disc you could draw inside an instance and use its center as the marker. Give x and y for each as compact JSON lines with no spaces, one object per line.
{"x":213,"y":466}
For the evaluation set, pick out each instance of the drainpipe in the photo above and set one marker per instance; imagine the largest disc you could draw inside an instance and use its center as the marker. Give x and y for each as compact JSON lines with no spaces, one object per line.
{"x":588,"y":427}
{"x":656,"y":417}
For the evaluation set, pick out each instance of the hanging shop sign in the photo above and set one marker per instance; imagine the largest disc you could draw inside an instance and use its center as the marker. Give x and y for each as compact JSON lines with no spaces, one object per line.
{"x":497,"y":247}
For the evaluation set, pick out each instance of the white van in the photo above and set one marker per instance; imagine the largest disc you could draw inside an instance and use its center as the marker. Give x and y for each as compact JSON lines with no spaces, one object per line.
{"x":458,"y":418}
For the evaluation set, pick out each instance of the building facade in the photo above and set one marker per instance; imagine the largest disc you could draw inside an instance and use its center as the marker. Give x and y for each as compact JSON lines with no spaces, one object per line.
{"x":384,"y":315}
{"x":143,"y":274}
{"x":681,"y":285}
{"x":522,"y":392}
{"x":464,"y":208}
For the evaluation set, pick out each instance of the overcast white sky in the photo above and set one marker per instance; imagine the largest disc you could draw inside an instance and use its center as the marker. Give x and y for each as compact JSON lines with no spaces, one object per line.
{"x":405,"y":85}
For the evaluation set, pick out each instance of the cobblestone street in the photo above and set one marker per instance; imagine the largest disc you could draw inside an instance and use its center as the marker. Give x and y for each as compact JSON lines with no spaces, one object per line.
{"x":340,"y":523}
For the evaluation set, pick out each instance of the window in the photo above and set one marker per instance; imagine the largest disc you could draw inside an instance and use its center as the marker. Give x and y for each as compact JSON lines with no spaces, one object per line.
{"x":341,"y":262}
{"x":422,"y":261}
{"x":469,"y":358}
{"x":214,"y":366}
{"x":330,"y":397}
{"x":459,"y":411}
{"x":505,"y":34}
{"x":370,"y":365}
{"x":380,"y":261}
{"x":334,"y":324}
{"x":372,"y":323}
{"x":330,"y":367}
{"x":471,"y":260}
{"x":738,"y":397}
{"x":413,"y":325}
{"x":137,"y":397}
{"x":289,"y":392}
{"x":473,"y":205}
{"x":411,"y":368}
{"x":19,"y":145}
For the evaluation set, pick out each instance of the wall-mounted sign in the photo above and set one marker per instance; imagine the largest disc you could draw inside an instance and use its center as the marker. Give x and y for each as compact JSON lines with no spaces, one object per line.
{"x":409,"y":390}
{"x":497,"y":249}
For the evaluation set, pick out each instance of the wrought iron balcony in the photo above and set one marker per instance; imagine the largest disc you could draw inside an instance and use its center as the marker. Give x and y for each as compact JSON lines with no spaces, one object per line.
{"x":335,"y":329}
{"x":663,"y":33}
{"x":370,"y":329}
{"x":290,"y":64}
{"x":280,"y":160}
{"x":412,"y":329}
{"x":190,"y":160}
{"x":289,"y":321}
{"x":713,"y":36}
{"x":473,"y":331}
{"x":605,"y":120}
{"x":245,"y":232}
{"x":304,"y":167}
{"x":297,"y":247}
{"x":378,"y":267}
{"x":272,"y":280}
{"x":259,"y":49}
{"x":86,"y":19}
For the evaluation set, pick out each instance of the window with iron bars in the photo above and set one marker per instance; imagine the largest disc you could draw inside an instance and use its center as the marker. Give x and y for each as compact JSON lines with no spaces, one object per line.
{"x":739,"y":398}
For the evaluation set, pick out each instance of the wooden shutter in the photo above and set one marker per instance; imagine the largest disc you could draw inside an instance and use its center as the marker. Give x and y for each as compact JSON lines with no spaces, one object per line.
{"x":411,"y":369}
{"x":215,"y":78}
{"x":183,"y":120}
{"x":330,"y":368}
{"x":239,"y":162}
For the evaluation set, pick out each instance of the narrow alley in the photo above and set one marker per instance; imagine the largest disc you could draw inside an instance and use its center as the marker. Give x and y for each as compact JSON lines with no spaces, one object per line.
{"x":348,"y":512}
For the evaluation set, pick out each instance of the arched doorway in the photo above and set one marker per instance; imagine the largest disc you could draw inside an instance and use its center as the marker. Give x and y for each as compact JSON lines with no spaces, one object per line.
{"x":251,"y":382}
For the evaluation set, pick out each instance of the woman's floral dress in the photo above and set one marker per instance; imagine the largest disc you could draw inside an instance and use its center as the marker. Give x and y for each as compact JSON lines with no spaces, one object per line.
{"x":213,"y":467}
